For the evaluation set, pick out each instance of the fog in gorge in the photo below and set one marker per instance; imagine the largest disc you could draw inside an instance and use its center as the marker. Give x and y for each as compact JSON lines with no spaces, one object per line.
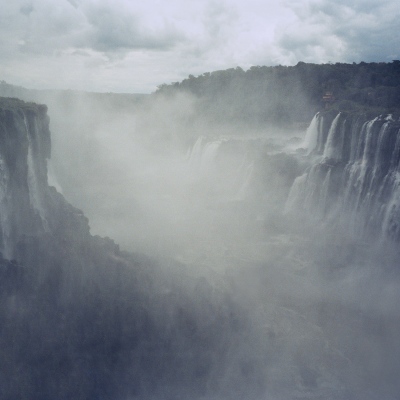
{"x":153,"y":181}
{"x":162,"y":181}
{"x":246,"y":210}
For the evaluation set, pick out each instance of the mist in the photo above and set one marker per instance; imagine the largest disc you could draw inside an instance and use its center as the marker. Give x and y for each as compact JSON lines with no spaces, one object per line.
{"x":158,"y":180}
{"x":212,"y":199}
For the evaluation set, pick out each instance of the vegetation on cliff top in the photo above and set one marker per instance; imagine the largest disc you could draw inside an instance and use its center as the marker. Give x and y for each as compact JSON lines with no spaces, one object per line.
{"x":293,"y":94}
{"x":8,"y":103}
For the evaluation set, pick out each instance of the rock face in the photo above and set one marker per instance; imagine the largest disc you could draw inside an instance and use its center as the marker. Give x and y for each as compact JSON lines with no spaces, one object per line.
{"x":353,"y":180}
{"x":24,"y":148}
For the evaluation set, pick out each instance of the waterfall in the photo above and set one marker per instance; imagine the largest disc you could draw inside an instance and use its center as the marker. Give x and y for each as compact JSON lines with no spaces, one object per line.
{"x":221,"y":168}
{"x":334,"y":143}
{"x":356,"y":180}
{"x":297,"y":192}
{"x":36,"y":201}
{"x":209,"y":156}
{"x":202,"y":157}
{"x":245,"y":174}
{"x":194,"y":158}
{"x":391,"y":214}
{"x":4,"y":210}
{"x":311,"y":138}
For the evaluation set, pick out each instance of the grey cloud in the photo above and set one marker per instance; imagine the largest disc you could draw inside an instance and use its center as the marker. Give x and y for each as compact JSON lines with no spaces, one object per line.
{"x":40,"y":27}
{"x":26,"y":9}
{"x":81,"y":53}
{"x":74,"y":3}
{"x":371,"y":33}
{"x":218,"y":16}
{"x":50,"y":28}
{"x":113,"y":29}
{"x":342,"y":31}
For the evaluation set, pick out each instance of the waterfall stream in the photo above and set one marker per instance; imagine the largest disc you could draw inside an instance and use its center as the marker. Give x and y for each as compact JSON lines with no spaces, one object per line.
{"x":355,"y":178}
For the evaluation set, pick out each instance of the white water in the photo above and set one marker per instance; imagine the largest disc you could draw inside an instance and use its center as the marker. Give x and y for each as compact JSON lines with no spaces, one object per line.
{"x":365,"y":192}
{"x":296,"y":193}
{"x":6,"y":246}
{"x":311,"y":137}
{"x":202,"y":158}
{"x":333,"y":151}
{"x":33,"y":186}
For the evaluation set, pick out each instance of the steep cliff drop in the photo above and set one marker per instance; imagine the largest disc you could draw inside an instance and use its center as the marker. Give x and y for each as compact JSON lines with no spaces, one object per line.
{"x":25,"y":145}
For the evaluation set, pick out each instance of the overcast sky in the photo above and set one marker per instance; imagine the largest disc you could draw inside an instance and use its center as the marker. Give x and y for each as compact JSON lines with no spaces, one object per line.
{"x":133,"y":46}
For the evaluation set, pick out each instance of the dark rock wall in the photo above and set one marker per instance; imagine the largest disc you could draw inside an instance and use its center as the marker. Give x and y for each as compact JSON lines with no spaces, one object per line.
{"x":24,"y":150}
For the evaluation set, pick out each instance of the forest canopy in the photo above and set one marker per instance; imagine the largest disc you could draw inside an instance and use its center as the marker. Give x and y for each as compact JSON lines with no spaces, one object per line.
{"x":292,"y":94}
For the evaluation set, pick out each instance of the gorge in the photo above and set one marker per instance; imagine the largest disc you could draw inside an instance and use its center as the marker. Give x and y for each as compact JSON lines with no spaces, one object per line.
{"x":256,"y":264}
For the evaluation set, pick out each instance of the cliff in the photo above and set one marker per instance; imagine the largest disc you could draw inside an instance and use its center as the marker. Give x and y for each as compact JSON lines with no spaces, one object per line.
{"x":28,"y":206}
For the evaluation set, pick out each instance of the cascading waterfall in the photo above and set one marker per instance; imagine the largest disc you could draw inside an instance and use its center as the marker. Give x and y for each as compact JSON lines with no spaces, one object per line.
{"x":25,"y":146}
{"x":209,"y":155}
{"x":391,"y":214}
{"x":356,"y":179}
{"x":202,"y":156}
{"x":4,"y":210}
{"x":34,"y":190}
{"x":311,"y":138}
{"x":194,"y":154}
{"x":334,"y":142}
{"x":245,"y":174}
{"x":206,"y":166}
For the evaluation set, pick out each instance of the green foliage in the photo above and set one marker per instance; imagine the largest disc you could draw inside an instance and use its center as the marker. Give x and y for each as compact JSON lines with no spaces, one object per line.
{"x":287,"y":95}
{"x":8,"y":103}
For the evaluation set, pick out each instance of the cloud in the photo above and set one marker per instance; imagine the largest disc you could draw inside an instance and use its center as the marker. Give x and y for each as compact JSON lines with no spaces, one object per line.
{"x":51,"y":27}
{"x":26,"y":9}
{"x":74,"y":3}
{"x":341,"y":31}
{"x":218,"y":17}
{"x":148,"y":43}
{"x":112,"y":28}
